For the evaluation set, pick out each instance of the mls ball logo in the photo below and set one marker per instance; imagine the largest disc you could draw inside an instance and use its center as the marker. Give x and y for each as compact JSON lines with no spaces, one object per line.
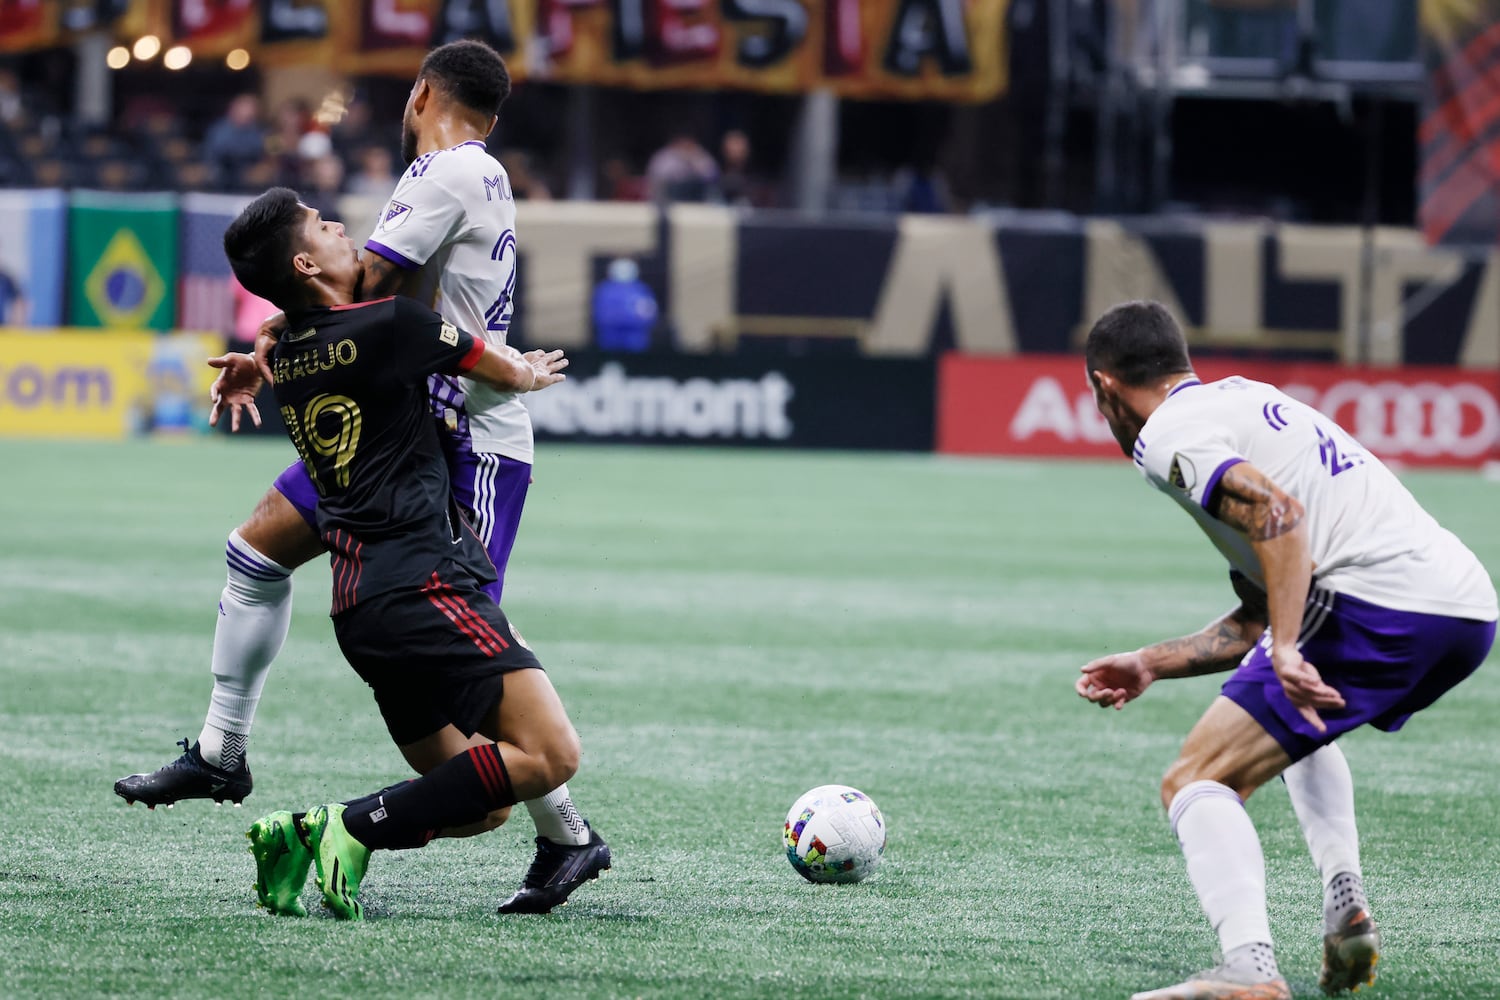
{"x":395,"y":214}
{"x":1183,"y":475}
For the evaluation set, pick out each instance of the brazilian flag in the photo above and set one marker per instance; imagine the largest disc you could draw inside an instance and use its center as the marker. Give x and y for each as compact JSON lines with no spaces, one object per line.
{"x":122,"y":260}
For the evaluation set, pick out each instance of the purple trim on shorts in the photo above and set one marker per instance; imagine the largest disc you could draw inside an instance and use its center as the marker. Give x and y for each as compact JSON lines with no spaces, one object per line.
{"x":297,"y":486}
{"x":394,"y":256}
{"x":491,"y":489}
{"x":1387,"y":664}
{"x":1213,"y":480}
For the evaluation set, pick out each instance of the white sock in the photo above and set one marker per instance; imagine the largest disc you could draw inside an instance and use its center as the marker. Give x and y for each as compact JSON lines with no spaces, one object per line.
{"x":1322,"y":793}
{"x":1224,"y":862}
{"x":255,"y":613}
{"x":557,"y":819}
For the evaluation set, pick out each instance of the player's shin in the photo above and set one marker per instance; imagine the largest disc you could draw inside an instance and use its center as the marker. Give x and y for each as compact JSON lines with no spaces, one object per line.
{"x":1224,"y":863}
{"x":456,"y":793}
{"x":1322,"y":793}
{"x":255,"y":613}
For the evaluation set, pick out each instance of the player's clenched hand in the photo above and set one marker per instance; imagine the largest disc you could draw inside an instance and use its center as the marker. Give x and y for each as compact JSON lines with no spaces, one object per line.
{"x":547,"y":366}
{"x":1304,"y":686}
{"x":266,"y":338}
{"x":1114,"y":679}
{"x":235,"y":388}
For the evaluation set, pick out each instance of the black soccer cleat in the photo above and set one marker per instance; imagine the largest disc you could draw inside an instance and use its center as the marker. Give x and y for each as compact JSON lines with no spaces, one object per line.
{"x":556,"y":871}
{"x":187,"y":777}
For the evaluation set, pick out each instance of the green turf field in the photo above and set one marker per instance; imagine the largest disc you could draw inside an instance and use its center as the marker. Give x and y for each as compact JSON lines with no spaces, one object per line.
{"x":728,"y":630}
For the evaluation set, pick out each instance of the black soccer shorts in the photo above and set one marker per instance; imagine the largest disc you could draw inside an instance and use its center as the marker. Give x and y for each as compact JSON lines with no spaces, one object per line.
{"x":432,"y":656}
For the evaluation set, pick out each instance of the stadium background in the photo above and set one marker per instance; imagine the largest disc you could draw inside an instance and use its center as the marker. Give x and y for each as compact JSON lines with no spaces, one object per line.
{"x":921,"y":188}
{"x":938,"y":198}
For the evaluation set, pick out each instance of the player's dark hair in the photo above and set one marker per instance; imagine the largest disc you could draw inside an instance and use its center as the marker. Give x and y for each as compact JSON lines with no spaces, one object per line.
{"x":1138,"y":343}
{"x":260,"y":244}
{"x":471,"y":72}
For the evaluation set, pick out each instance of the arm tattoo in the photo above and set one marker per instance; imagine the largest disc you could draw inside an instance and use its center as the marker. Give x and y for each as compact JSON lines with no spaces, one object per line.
{"x":382,"y":277}
{"x":1218,"y":647}
{"x":1252,"y":503}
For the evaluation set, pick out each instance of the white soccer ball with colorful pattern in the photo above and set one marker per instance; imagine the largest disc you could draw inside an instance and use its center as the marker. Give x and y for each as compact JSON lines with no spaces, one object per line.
{"x":834,"y":833}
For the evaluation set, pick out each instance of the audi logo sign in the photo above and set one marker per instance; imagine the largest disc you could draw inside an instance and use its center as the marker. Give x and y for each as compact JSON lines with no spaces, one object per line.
{"x":1041,"y":405}
{"x":1416,"y":420}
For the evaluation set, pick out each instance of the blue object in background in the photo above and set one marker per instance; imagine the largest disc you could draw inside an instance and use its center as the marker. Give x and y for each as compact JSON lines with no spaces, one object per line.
{"x":625,"y":309}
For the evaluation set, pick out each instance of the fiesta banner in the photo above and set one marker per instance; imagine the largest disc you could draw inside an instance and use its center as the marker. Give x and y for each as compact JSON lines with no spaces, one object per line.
{"x":1043,"y":406}
{"x":31,"y":257}
{"x":945,"y":50}
{"x":86,"y":384}
{"x":929,"y":49}
{"x":122,"y":260}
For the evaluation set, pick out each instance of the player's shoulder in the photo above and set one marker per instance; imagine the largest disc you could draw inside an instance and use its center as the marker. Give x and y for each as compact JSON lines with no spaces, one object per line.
{"x":357,"y":317}
{"x":466,"y":161}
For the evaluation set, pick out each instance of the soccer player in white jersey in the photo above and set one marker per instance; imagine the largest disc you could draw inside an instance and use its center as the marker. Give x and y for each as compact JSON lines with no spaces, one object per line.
{"x":447,"y":236}
{"x":1356,"y":607}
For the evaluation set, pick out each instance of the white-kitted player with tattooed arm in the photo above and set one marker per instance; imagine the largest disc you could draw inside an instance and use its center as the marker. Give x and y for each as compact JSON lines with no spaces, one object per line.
{"x":447,"y":237}
{"x":1356,"y":607}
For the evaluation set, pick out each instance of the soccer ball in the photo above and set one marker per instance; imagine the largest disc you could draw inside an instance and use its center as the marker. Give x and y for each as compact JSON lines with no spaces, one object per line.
{"x":834,"y":833}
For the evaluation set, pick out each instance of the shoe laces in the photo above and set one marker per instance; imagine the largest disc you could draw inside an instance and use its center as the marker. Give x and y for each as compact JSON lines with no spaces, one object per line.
{"x":545,"y":863}
{"x":186,"y":760}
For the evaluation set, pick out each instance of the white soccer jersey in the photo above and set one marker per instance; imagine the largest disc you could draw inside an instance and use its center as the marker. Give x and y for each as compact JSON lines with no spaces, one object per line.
{"x":1368,"y":536}
{"x":452,"y":213}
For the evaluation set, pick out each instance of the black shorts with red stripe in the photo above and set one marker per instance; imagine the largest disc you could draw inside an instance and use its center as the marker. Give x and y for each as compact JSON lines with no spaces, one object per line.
{"x":432,"y":656}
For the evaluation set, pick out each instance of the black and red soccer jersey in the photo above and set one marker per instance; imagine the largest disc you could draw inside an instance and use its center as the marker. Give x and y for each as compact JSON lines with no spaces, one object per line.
{"x":352,"y":385}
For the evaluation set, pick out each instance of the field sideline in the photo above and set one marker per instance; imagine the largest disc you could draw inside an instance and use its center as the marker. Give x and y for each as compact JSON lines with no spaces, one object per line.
{"x":728,"y":629}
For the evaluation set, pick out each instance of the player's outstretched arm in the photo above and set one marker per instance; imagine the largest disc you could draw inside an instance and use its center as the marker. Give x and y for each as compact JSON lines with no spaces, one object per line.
{"x":1274,"y":524}
{"x":235,"y":389}
{"x":509,"y":370}
{"x":1220,"y":645}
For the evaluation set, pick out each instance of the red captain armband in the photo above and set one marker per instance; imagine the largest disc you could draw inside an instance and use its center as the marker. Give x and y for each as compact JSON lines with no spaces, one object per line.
{"x":472,"y":358}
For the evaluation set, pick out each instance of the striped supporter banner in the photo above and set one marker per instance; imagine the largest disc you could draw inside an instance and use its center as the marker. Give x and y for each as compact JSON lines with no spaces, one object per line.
{"x":206,"y":287}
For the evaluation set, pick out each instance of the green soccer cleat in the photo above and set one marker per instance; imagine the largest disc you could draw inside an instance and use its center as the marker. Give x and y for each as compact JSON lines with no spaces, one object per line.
{"x":340,"y":858}
{"x":281,"y":863}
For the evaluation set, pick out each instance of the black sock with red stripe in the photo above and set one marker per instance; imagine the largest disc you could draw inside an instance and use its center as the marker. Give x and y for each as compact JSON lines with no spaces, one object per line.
{"x":455,"y":793}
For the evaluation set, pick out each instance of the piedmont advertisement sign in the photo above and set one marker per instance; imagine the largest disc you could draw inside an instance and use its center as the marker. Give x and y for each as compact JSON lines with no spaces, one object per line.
{"x":836,"y":402}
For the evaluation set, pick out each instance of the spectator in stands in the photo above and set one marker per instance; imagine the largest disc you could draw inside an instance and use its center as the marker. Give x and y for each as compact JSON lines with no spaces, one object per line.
{"x":12,"y":111}
{"x":621,"y":183}
{"x":682,"y":170}
{"x":352,"y":133}
{"x":293,"y":121}
{"x":325,"y":181}
{"x":376,"y":177}
{"x":624,"y":309}
{"x":525,"y":183}
{"x":921,"y":190}
{"x":235,"y":142}
{"x":12,"y":302}
{"x":735,"y":185}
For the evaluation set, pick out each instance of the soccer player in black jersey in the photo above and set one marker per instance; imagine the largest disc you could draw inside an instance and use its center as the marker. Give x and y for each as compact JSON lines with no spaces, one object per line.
{"x":408,"y":609}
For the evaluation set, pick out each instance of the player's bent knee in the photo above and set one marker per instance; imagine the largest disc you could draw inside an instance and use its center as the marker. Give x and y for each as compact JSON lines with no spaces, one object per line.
{"x":277,"y":531}
{"x":560,"y":759}
{"x":1181,"y":774}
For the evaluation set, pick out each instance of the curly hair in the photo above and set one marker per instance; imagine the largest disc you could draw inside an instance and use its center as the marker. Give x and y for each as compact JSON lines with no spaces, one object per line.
{"x":471,"y":73}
